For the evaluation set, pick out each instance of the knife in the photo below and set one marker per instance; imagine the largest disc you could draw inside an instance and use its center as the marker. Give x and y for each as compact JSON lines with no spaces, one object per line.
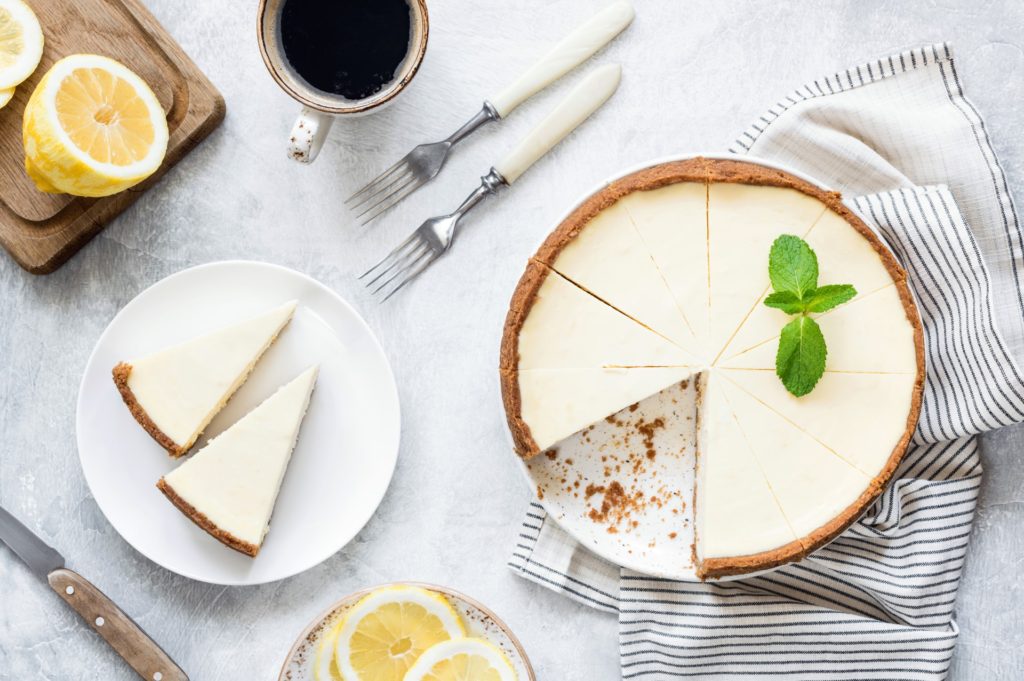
{"x":116,"y":628}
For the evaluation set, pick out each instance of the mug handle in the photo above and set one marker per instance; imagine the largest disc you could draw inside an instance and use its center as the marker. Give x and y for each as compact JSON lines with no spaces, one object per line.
{"x":308,"y":135}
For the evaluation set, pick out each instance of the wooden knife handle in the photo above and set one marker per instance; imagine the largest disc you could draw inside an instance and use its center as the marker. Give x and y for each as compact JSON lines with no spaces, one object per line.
{"x":116,"y":628}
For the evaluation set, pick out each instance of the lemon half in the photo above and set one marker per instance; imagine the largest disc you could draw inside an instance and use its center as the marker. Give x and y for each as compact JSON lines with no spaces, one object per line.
{"x":21,"y":43}
{"x":6,"y":96}
{"x":464,"y":659}
{"x":385,"y":632}
{"x":93,"y":128}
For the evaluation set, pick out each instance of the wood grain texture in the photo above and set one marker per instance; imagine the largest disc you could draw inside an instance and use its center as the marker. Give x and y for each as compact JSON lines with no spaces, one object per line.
{"x":41,"y":231}
{"x":116,"y":628}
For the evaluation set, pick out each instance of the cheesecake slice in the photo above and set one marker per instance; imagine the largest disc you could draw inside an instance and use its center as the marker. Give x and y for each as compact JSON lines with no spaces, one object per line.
{"x":545,"y":406}
{"x":175,"y":393}
{"x":739,"y":522}
{"x":230,"y":486}
{"x":672,"y":221}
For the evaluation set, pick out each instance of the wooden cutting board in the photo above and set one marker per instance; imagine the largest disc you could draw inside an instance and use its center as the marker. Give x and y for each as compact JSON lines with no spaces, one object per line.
{"x":41,"y":231}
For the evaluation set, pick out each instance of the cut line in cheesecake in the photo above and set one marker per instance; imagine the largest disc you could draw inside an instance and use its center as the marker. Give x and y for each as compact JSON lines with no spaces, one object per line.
{"x":561,"y":326}
{"x":842,"y":441}
{"x":175,"y":393}
{"x":857,"y":342}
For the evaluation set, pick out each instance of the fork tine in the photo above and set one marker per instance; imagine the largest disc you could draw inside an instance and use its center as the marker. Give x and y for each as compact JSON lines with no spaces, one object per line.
{"x":400,"y":163}
{"x":395,"y":252}
{"x":389,"y":202}
{"x":367,"y":201}
{"x":400,"y":254}
{"x":400,"y":261}
{"x":421,"y":250}
{"x":383,"y":203}
{"x":431,"y":257}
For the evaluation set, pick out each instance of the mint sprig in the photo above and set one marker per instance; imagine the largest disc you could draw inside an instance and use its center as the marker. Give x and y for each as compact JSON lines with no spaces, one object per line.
{"x":793,"y":271}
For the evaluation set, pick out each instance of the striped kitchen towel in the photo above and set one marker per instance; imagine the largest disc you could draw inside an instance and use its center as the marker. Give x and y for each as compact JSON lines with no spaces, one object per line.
{"x":898,"y":138}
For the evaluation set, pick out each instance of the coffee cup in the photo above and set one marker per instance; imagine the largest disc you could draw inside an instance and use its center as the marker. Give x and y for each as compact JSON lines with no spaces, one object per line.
{"x":335,"y":58}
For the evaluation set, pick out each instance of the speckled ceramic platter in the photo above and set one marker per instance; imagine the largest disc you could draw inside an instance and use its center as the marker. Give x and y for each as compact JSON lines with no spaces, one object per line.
{"x":480,"y":622}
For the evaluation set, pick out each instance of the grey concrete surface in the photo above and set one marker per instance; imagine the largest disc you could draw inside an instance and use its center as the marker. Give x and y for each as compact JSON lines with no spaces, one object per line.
{"x":696,"y":72}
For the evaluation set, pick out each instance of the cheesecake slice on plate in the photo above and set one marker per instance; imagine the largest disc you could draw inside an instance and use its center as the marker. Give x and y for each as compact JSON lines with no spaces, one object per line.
{"x":175,"y":393}
{"x":230,"y":486}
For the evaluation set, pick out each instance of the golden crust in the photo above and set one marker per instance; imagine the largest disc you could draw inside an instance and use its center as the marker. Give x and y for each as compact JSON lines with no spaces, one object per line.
{"x":204,"y":522}
{"x":708,"y":170}
{"x":713,"y":568}
{"x":121,"y":373}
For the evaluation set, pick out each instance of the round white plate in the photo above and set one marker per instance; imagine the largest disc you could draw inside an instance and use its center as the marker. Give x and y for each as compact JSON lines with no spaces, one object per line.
{"x":479,"y":620}
{"x":653,"y":538}
{"x":347,"y":447}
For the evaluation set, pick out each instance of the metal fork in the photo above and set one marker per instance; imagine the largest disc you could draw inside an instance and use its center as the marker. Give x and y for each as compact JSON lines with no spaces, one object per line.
{"x":435,"y":236}
{"x":424,"y":162}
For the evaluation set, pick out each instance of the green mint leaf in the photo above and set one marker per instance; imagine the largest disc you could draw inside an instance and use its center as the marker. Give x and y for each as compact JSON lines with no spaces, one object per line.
{"x":800,"y":360}
{"x":792,"y":265}
{"x":827,"y":297}
{"x":787,"y":301}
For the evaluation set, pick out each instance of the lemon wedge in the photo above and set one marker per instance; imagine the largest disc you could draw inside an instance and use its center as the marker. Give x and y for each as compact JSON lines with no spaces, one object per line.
{"x":463,"y":659}
{"x":6,"y":96}
{"x":21,"y":43}
{"x":385,"y":632}
{"x":92,"y":128}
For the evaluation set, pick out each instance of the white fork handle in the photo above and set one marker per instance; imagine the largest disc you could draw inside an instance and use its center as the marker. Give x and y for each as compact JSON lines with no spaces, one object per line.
{"x":572,"y":51}
{"x":586,"y":98}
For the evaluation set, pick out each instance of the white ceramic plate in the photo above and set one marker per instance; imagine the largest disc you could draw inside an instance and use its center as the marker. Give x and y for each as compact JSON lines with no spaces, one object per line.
{"x":648,"y":546}
{"x":480,"y":622}
{"x":346,"y":451}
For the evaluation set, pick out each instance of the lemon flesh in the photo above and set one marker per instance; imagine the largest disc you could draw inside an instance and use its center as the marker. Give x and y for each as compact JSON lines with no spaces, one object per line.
{"x":467,"y":659}
{"x":386,"y":632}
{"x":21,"y":43}
{"x":93,"y":128}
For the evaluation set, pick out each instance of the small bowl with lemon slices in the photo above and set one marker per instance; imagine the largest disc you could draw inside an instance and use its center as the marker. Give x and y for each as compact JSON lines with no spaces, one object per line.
{"x":407,"y":632}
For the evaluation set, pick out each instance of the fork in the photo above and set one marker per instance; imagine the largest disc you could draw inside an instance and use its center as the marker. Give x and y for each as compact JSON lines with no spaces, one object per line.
{"x":435,"y":236}
{"x":424,"y":162}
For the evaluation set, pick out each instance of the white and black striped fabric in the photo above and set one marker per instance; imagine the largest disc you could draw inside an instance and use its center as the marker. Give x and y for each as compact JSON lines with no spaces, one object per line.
{"x":877,"y":603}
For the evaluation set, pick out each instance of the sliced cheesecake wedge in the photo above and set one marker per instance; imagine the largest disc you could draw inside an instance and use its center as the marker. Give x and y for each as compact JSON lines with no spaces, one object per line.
{"x":740,"y":523}
{"x":230,"y":486}
{"x":175,"y":393}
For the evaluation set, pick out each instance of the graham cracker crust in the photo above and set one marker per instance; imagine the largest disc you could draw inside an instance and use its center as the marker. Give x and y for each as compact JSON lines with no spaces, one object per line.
{"x":121,"y":373}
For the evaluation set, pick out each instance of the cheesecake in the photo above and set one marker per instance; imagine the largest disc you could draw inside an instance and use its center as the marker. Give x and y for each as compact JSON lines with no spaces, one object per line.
{"x":657,"y":281}
{"x":230,"y":486}
{"x":176,"y":392}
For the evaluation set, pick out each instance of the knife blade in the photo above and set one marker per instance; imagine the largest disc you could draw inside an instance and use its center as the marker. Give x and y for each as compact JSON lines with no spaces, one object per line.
{"x":125,"y":636}
{"x":40,"y":557}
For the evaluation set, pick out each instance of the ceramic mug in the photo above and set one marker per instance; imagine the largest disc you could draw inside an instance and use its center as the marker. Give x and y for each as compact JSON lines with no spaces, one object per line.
{"x":320,"y":108}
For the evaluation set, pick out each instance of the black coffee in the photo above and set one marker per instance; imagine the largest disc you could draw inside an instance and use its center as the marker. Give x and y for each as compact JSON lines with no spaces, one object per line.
{"x":347,"y":47}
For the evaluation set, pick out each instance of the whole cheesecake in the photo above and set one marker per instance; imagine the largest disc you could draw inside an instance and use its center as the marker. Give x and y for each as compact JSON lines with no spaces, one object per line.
{"x":658,"y":281}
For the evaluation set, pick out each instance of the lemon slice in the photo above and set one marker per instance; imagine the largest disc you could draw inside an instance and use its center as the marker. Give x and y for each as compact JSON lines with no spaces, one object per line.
{"x":385,"y":632}
{"x":21,"y":43}
{"x":324,"y":668}
{"x":93,"y":128}
{"x":6,"y":96}
{"x":464,"y":659}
